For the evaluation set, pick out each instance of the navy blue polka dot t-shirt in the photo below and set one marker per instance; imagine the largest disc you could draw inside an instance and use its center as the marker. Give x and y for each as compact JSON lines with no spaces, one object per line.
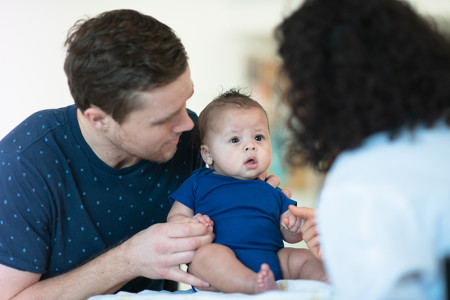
{"x":60,"y":205}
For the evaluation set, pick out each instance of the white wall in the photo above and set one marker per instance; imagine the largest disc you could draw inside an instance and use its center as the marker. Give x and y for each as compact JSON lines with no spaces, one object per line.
{"x":32,"y":33}
{"x":215,"y":33}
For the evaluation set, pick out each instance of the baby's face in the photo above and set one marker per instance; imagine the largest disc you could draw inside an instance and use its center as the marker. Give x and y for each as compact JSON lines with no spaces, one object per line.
{"x":239,"y":142}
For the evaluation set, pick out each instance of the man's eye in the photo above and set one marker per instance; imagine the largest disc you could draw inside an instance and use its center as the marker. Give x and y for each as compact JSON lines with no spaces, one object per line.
{"x":259,"y":138}
{"x":234,"y":140}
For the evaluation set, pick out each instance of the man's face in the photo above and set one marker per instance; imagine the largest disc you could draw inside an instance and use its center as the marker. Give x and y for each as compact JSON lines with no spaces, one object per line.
{"x":153,"y":131}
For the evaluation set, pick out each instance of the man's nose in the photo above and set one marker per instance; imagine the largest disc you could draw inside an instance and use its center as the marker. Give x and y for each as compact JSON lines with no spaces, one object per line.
{"x":185,"y":123}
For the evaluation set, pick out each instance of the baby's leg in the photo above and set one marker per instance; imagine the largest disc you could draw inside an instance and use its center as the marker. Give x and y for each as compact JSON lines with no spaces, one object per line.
{"x":218,"y":265}
{"x":299,"y":263}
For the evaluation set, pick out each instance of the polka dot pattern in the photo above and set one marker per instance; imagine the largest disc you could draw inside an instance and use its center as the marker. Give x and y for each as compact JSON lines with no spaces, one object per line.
{"x":60,"y":205}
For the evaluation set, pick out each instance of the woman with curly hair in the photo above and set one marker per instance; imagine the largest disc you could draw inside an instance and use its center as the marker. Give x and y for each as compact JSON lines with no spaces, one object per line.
{"x":369,"y":98}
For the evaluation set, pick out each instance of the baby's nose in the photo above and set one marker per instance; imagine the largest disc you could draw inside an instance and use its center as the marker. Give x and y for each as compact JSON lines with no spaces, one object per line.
{"x":250,"y":146}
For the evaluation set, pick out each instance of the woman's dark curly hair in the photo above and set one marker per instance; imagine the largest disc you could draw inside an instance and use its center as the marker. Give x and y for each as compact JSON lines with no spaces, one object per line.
{"x":116,"y":55}
{"x":356,"y":68}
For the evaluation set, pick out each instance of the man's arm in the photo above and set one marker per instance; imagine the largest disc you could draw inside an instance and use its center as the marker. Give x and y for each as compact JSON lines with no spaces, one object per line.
{"x":155,"y":252}
{"x":100,"y":276}
{"x":13,"y":281}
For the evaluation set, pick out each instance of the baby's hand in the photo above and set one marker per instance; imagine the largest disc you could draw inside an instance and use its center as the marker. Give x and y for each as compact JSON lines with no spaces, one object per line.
{"x":292,"y":222}
{"x":204,"y":219}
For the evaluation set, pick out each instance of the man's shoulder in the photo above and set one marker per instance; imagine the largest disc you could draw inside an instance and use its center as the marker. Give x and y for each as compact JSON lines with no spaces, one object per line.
{"x":33,"y":140}
{"x":37,"y":125}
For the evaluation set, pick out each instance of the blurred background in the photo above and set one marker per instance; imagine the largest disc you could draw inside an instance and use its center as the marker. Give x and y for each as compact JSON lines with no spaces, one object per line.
{"x":230,"y":43}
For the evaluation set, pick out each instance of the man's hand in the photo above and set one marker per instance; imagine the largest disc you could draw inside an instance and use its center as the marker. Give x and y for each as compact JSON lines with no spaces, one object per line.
{"x":309,"y":227}
{"x":157,"y":251}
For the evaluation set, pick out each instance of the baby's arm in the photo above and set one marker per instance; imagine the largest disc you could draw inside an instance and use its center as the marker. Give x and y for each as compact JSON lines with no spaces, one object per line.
{"x":181,"y":213}
{"x":290,"y":226}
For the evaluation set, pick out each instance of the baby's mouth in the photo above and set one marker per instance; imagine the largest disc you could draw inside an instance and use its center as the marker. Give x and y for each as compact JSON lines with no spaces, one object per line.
{"x":251,"y":163}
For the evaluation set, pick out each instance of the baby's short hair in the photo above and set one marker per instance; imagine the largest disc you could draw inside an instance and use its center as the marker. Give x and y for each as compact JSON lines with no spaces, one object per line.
{"x":233,"y":97}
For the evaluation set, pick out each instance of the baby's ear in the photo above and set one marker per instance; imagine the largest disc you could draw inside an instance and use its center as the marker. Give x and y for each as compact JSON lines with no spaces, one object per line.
{"x":206,"y":155}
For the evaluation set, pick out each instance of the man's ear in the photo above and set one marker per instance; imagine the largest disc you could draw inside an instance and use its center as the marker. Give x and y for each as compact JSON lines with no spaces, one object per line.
{"x":97,"y":117}
{"x":206,"y":155}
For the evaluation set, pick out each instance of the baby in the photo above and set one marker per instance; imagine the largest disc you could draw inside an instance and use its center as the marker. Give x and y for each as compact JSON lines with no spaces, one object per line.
{"x":250,"y":217}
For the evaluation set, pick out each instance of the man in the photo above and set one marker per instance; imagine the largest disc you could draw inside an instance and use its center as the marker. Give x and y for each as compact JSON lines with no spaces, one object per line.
{"x":84,"y":189}
{"x":78,"y":181}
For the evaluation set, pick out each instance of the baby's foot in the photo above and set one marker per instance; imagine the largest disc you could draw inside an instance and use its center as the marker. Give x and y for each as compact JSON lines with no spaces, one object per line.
{"x":265,"y":280}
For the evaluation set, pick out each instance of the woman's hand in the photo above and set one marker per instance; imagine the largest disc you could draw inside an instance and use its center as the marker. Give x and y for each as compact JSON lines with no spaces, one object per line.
{"x":308,"y":228}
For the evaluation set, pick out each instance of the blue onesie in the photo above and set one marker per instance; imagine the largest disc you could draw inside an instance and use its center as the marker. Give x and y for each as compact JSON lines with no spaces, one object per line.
{"x":60,"y":205}
{"x":246,"y":214}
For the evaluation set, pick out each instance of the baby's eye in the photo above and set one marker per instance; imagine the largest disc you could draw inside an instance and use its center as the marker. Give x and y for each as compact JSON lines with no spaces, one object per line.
{"x":259,"y":138}
{"x":234,"y":140}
